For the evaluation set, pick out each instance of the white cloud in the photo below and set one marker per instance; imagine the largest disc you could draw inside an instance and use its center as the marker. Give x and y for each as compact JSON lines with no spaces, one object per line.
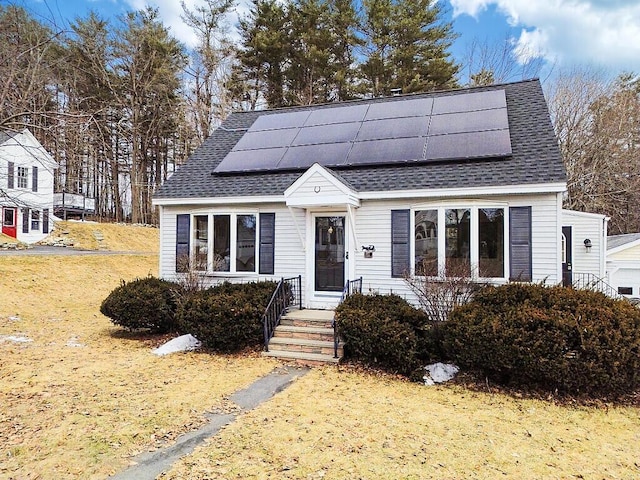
{"x":597,"y":32}
{"x":170,"y":12}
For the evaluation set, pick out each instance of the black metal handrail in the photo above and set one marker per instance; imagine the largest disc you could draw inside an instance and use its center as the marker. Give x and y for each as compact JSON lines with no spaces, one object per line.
{"x":590,"y":281}
{"x":288,"y":292}
{"x":350,"y":287}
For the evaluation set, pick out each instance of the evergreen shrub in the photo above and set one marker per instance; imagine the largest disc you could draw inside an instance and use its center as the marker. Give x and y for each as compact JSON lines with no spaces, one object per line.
{"x":385,"y":331}
{"x":145,"y":303}
{"x":553,"y":338}
{"x":227,"y":318}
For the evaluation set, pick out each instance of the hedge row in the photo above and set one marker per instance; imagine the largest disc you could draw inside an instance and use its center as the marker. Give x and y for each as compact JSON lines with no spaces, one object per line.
{"x":526,"y":336}
{"x":225,"y":318}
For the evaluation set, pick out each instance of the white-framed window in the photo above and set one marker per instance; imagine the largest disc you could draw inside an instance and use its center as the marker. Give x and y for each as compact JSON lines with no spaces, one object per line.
{"x":460,"y":240}
{"x":225,"y":242}
{"x":22,"y":177}
{"x":35,"y":219}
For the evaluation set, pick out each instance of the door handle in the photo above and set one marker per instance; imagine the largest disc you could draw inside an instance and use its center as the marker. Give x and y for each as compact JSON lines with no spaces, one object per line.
{"x":346,"y":255}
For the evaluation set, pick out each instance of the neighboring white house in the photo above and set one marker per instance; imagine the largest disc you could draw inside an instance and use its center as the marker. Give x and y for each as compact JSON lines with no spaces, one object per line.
{"x":623,"y":264}
{"x":26,"y":187}
{"x":371,"y":188}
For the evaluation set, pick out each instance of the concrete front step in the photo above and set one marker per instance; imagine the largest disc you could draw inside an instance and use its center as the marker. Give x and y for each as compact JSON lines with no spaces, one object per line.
{"x":310,"y":333}
{"x":305,"y":336}
{"x":308,"y":318}
{"x":303,"y":345}
{"x":301,"y":357}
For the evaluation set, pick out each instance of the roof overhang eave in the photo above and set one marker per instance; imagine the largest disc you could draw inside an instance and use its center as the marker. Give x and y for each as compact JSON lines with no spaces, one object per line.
{"x":232,"y":200}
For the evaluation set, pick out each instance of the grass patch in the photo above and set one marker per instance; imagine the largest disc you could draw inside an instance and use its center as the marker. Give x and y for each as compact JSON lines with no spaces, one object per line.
{"x":81,"y":397}
{"x":114,"y":236}
{"x":378,"y":427}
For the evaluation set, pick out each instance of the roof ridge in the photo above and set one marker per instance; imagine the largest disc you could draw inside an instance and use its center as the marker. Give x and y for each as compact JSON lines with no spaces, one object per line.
{"x":494,"y":86}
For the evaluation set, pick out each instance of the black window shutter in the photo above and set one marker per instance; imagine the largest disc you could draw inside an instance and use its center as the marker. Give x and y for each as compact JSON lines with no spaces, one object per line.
{"x":399,"y":242}
{"x":45,"y":220}
{"x":267,"y":242}
{"x":25,"y":220}
{"x":11,"y":168}
{"x":35,"y":179}
{"x":520,"y":257}
{"x":182,"y":242}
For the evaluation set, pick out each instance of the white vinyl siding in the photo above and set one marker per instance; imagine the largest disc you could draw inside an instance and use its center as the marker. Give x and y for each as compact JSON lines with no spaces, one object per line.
{"x":372,"y":227}
{"x":586,"y":226}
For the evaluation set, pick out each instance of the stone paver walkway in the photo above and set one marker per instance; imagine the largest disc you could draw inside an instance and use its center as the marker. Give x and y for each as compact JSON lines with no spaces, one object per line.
{"x":149,"y":465}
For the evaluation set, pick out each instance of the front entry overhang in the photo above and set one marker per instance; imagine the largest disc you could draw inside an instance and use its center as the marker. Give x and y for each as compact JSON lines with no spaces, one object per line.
{"x":319,"y":187}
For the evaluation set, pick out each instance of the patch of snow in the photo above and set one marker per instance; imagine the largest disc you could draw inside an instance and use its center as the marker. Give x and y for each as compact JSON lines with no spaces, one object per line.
{"x":15,"y":339}
{"x":439,"y":372}
{"x":183,"y":343}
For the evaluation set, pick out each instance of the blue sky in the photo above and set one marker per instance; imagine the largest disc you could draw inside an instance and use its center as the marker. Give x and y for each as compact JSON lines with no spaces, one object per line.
{"x":563,"y":33}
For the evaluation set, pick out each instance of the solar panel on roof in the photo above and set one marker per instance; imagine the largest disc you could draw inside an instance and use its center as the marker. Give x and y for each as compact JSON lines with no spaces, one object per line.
{"x":386,"y":151}
{"x":469,"y":102}
{"x":266,"y":139}
{"x":251,"y":160}
{"x":332,"y":133}
{"x":415,"y":107}
{"x":323,"y":116}
{"x":457,"y":126}
{"x":469,"y":121}
{"x":279,"y":120}
{"x":393,"y":128}
{"x":330,"y":155}
{"x":492,"y":143}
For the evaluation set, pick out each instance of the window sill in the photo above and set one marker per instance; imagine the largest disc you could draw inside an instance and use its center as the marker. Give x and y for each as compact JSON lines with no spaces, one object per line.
{"x":228,"y":274}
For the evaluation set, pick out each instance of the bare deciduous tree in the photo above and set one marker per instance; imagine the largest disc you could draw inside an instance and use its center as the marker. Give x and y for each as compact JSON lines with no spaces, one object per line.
{"x":598,"y":128}
{"x":500,"y":61}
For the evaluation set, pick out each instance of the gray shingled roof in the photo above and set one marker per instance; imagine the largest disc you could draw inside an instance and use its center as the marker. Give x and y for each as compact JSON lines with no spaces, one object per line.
{"x":615,"y":241}
{"x":535,"y":157}
{"x":4,"y":136}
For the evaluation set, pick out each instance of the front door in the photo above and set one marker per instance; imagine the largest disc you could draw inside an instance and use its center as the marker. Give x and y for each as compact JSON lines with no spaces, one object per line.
{"x":9,"y":221}
{"x":329,"y":253}
{"x":567,"y":257}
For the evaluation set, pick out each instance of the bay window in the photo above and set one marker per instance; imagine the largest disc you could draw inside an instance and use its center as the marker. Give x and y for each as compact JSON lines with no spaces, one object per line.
{"x":201,"y":242}
{"x":426,"y":243}
{"x":224,"y":243}
{"x":469,"y":241}
{"x":246,"y":243}
{"x":458,"y":242}
{"x":491,"y":242}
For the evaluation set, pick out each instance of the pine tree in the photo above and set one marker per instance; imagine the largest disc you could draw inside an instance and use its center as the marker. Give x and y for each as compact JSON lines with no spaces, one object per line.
{"x":407,"y":43}
{"x":263,"y":56}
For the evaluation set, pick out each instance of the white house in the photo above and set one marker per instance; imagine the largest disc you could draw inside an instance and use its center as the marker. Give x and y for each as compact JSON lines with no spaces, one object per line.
{"x":623,"y":264}
{"x":469,"y":178}
{"x":584,"y":249}
{"x":26,"y":187}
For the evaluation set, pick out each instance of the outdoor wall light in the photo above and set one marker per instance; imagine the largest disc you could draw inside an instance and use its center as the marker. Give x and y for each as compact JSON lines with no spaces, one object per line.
{"x":587,"y":244}
{"x":368,"y":250}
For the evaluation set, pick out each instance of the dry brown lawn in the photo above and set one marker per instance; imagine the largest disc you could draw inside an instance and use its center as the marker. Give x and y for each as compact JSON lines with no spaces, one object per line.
{"x":116,"y":237}
{"x":334,"y":424}
{"x":81,"y":397}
